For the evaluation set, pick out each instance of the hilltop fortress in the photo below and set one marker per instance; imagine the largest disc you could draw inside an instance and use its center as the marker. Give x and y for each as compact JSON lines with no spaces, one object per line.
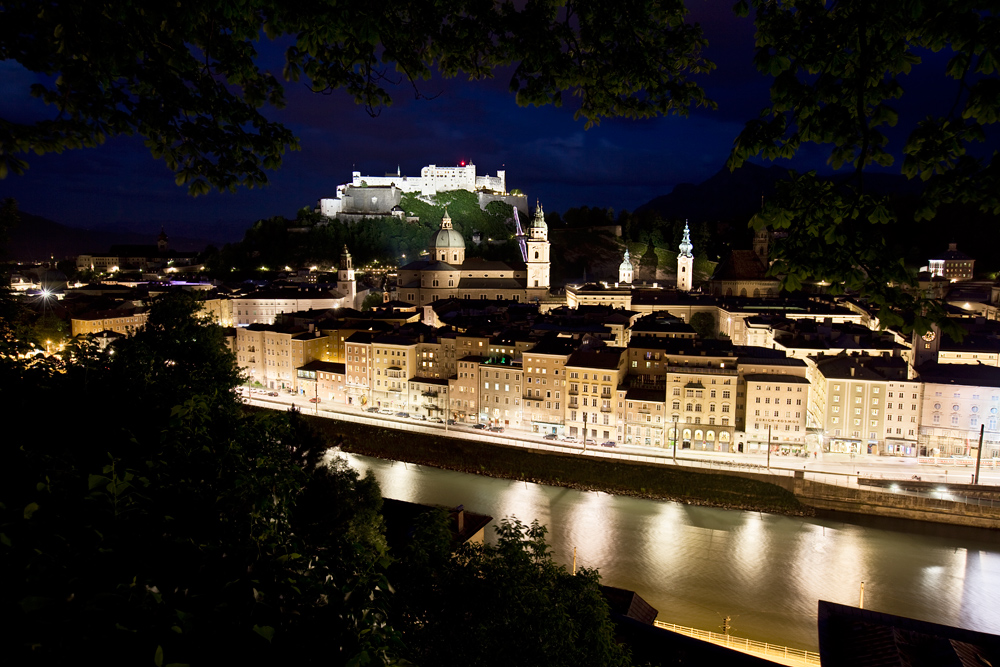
{"x":378,"y":196}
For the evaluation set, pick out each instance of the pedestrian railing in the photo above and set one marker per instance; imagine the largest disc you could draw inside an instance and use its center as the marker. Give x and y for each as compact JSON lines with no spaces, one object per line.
{"x":773,"y":652}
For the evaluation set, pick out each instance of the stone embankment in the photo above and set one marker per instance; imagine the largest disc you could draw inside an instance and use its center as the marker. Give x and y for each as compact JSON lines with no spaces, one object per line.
{"x":754,"y":491}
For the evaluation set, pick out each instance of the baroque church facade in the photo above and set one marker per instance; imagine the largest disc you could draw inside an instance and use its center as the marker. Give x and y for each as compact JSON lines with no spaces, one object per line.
{"x":446,"y":272}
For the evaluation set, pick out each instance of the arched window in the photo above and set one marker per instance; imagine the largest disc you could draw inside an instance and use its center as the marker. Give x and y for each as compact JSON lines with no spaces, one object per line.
{"x":536,"y":254}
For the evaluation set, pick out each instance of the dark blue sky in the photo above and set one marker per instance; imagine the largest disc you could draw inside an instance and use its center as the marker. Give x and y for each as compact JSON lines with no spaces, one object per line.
{"x":621,"y":163}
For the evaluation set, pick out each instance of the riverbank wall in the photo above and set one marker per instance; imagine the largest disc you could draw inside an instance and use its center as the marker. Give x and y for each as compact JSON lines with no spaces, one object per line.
{"x":869,"y":501}
{"x":570,"y":470}
{"x":759,"y":491}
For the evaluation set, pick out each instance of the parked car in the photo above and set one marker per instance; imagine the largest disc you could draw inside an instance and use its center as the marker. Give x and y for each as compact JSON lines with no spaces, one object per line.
{"x":451,"y":422}
{"x":569,"y":438}
{"x":384,"y":411}
{"x":479,"y":427}
{"x":419,"y":418}
{"x":590,"y":441}
{"x":551,"y":436}
{"x":608,"y":443}
{"x":316,"y":400}
{"x":436,"y":420}
{"x":272,"y":393}
{"x":372,"y":409}
{"x":404,"y":415}
{"x":496,"y":429}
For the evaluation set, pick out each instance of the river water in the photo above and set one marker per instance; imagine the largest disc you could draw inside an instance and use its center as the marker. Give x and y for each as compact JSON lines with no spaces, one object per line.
{"x":697,"y":565}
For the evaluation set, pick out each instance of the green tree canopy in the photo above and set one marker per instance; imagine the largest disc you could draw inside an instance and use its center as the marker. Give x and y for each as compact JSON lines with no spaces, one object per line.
{"x":188,"y":77}
{"x":704,"y":324}
{"x":503,"y":604}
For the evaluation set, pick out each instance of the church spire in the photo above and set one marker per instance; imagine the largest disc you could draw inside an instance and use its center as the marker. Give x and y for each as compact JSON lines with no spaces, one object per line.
{"x":686,"y":246}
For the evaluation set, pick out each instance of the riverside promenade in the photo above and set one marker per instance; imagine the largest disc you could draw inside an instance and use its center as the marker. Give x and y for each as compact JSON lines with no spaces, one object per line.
{"x":872,"y":485}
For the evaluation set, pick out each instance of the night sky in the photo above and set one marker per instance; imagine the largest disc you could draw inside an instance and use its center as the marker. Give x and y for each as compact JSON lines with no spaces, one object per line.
{"x":620,"y":164}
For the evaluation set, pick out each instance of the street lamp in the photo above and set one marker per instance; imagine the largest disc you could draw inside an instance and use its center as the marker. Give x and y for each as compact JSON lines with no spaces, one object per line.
{"x":675,"y":438}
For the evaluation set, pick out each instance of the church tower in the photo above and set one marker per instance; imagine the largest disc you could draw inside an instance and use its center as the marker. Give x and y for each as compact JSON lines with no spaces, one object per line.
{"x":161,"y":241}
{"x":925,"y":349}
{"x":625,"y":270}
{"x":685,"y":262}
{"x":538,"y":251}
{"x":761,"y":245}
{"x":345,"y":278}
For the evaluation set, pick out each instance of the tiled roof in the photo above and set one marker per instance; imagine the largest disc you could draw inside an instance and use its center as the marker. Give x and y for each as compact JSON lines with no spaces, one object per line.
{"x":741,"y":265}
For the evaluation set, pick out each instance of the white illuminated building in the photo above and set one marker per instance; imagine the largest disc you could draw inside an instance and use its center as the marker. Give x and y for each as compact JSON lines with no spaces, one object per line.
{"x":432,"y":180}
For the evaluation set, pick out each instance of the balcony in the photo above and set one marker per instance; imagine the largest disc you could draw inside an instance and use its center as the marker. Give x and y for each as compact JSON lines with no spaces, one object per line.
{"x":606,"y":408}
{"x":574,"y":391}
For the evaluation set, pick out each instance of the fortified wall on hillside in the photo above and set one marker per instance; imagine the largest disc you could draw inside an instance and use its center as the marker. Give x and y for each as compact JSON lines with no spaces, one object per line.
{"x":353,"y":201}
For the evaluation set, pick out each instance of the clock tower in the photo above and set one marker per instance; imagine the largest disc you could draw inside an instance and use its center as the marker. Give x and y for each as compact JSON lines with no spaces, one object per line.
{"x":538,"y":253}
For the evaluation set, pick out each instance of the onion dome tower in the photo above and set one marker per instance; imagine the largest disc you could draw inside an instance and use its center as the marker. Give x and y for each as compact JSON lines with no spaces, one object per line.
{"x":685,"y":261}
{"x":538,"y":251}
{"x":625,"y":273}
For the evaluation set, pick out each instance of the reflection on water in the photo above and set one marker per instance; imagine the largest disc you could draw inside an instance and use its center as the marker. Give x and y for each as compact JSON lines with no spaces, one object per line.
{"x":699,"y":564}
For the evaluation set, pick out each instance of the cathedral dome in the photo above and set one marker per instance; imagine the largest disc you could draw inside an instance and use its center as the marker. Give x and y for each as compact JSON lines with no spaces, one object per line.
{"x":447,"y":237}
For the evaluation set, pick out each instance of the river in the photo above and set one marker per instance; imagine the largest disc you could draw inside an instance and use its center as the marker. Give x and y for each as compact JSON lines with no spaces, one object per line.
{"x":697,"y":565}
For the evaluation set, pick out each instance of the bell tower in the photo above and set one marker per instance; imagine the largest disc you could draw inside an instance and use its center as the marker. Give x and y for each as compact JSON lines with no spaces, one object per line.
{"x":685,"y":262}
{"x":625,"y":272}
{"x":538,"y":251}
{"x":346,"y":283}
{"x":762,"y":245}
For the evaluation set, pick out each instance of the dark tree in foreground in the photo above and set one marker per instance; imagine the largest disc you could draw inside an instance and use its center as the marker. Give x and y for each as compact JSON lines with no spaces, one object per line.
{"x":502,"y":604}
{"x":186,"y":76}
{"x":150,"y":517}
{"x":839,"y":69}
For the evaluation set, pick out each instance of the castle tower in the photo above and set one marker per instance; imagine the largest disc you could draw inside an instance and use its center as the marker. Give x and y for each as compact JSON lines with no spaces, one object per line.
{"x":447,"y":245}
{"x":761,"y":245}
{"x":345,"y":278}
{"x":538,"y":251}
{"x":625,"y":270}
{"x":161,"y":241}
{"x":685,"y":262}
